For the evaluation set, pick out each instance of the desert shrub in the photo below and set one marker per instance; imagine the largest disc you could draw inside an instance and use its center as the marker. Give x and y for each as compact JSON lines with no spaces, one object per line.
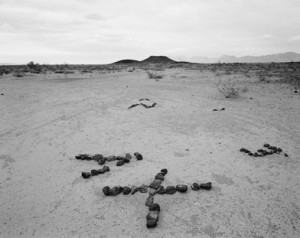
{"x":229,"y":89}
{"x":153,"y":75}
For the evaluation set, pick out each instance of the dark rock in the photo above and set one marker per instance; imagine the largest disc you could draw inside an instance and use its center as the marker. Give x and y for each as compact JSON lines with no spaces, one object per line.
{"x":195,"y":186}
{"x":170,"y":190}
{"x":206,"y":186}
{"x":279,"y":150}
{"x":259,"y":150}
{"x":86,"y":175}
{"x":120,"y":158}
{"x":143,"y":188}
{"x":154,"y":207}
{"x":155,"y":184}
{"x":114,"y":191}
{"x":103,"y":170}
{"x":128,"y":156}
{"x":266,"y":145}
{"x":111,"y":158}
{"x":120,"y":189}
{"x":215,"y":110}
{"x":126,"y":160}
{"x":160,"y":190}
{"x":149,"y":200}
{"x":223,"y":109}
{"x":138,"y":156}
{"x":133,"y":105}
{"x":182,"y":188}
{"x":160,"y":176}
{"x":120,"y":163}
{"x":151,"y":191}
{"x":101,"y":161}
{"x":242,"y":150}
{"x":106,"y":190}
{"x":286,"y":155}
{"x":98,"y":157}
{"x":151,"y":223}
{"x":134,"y":189}
{"x":126,"y":190}
{"x":94,"y":172}
{"x":255,"y":154}
{"x":153,"y":215}
{"x":250,"y":154}
{"x":164,"y":171}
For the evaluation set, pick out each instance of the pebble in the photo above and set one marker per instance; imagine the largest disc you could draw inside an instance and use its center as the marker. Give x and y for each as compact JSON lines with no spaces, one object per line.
{"x":120,"y":163}
{"x":160,"y":190}
{"x":134,"y":189}
{"x":206,"y":186}
{"x":94,"y":172}
{"x":97,"y":157}
{"x":126,"y":160}
{"x":160,"y":176}
{"x":101,"y":161}
{"x":151,"y":191}
{"x":170,"y":190}
{"x":143,"y":188}
{"x":154,"y":207}
{"x":138,"y":156}
{"x":195,"y":186}
{"x":182,"y":188}
{"x":120,"y":158}
{"x":114,"y":191}
{"x":128,"y":156}
{"x":106,"y":190}
{"x":149,"y":200}
{"x":155,"y":184}
{"x":151,"y":223}
{"x":86,"y":175}
{"x":111,"y":158}
{"x":153,"y":215}
{"x":164,"y":171}
{"x":126,"y":190}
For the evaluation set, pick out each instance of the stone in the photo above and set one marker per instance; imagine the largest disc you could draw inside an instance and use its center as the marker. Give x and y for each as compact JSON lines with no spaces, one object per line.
{"x":170,"y":190}
{"x":250,"y":154}
{"x":151,"y":191}
{"x":120,"y":163}
{"x":160,"y":176}
{"x":155,"y":184}
{"x":149,"y":200}
{"x":86,"y":175}
{"x":153,"y":215}
{"x":94,"y":172}
{"x":133,"y":105}
{"x":286,"y":155}
{"x":279,"y":150}
{"x":128,"y":156}
{"x":195,"y":186}
{"x":106,"y":190}
{"x":154,"y":207}
{"x":182,"y":188}
{"x":101,"y":161}
{"x":160,"y":190}
{"x":151,"y":223}
{"x":242,"y":150}
{"x":97,"y":157}
{"x":138,"y":156}
{"x":143,"y":188}
{"x":266,"y":145}
{"x":120,"y":158}
{"x":164,"y":171}
{"x":103,"y":170}
{"x":134,"y":189}
{"x":111,"y":158}
{"x":206,"y":186}
{"x":126,"y":190}
{"x":126,"y":160}
{"x":114,"y":191}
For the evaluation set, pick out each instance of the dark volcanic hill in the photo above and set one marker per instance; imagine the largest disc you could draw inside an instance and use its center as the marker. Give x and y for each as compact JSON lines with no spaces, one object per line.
{"x":158,"y":60}
{"x":127,"y":61}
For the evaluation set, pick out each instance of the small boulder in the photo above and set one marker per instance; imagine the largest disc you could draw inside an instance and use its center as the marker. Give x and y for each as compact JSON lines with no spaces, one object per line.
{"x":114,"y":191}
{"x":86,"y":175}
{"x":151,"y":191}
{"x":97,"y":157}
{"x":266,"y":145}
{"x":182,"y":188}
{"x":101,"y":161}
{"x":153,"y":215}
{"x":151,"y":223}
{"x":94,"y":172}
{"x":120,"y":158}
{"x":155,"y":184}
{"x":106,"y":190}
{"x":154,"y":207}
{"x":143,"y":188}
{"x":111,"y":158}
{"x":134,"y":189}
{"x":170,"y":190}
{"x":195,"y":186}
{"x":126,"y":190}
{"x":164,"y":171}
{"x":206,"y":186}
{"x":126,"y":160}
{"x":149,"y":200}
{"x":160,"y":190}
{"x":160,"y":176}
{"x":120,"y":163}
{"x":138,"y":156}
{"x":128,"y":156}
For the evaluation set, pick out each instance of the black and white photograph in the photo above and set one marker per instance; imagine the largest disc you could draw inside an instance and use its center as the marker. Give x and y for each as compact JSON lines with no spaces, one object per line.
{"x":150,"y":118}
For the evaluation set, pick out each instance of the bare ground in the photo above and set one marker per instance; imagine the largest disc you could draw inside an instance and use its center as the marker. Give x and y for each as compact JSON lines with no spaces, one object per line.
{"x":46,"y":120}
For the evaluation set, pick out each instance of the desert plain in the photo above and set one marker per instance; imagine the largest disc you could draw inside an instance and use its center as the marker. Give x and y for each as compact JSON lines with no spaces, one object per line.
{"x":48,"y":118}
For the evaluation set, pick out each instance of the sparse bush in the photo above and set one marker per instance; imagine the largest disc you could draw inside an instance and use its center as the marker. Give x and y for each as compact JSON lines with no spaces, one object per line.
{"x":153,"y":75}
{"x":229,"y":89}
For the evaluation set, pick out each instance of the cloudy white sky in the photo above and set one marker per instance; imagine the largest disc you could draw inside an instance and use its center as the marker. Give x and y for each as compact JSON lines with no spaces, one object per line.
{"x":104,"y":31}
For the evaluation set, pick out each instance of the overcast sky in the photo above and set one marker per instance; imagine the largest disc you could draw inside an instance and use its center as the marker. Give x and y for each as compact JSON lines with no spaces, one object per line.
{"x":104,"y":31}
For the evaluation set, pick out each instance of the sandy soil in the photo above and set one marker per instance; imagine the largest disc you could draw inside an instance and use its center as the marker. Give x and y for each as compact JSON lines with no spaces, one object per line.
{"x":46,"y":120}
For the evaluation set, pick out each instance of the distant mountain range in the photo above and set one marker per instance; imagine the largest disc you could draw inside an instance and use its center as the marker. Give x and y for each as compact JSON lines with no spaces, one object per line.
{"x":151,"y":60}
{"x":283,"y":57}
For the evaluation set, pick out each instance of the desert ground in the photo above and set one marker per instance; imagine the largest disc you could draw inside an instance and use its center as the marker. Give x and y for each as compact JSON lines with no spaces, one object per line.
{"x":47,"y":119}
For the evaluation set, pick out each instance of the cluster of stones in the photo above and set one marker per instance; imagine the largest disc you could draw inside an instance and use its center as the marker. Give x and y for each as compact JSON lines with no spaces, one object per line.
{"x":100,"y":159}
{"x":263,"y":152}
{"x":143,"y":104}
{"x":154,"y":188}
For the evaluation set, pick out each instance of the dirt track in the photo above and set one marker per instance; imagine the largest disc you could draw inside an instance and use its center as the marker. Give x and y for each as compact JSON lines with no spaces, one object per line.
{"x":45,"y":121}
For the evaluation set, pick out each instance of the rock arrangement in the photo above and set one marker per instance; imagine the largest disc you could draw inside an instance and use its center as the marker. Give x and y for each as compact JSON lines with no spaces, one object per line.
{"x":100,"y":159}
{"x":154,"y":188}
{"x":143,"y":104}
{"x":266,"y":150}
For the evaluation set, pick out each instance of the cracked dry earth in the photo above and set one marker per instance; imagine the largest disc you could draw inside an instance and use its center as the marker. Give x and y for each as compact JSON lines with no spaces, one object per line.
{"x":46,"y":120}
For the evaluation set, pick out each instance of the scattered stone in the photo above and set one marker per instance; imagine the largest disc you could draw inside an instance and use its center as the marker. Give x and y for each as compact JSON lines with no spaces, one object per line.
{"x":286,"y":155}
{"x":104,"y":169}
{"x":164,"y":171}
{"x":151,"y":223}
{"x":155,"y":184}
{"x":94,"y":172}
{"x":160,"y":176}
{"x":153,"y":215}
{"x":111,"y":158}
{"x":154,"y":207}
{"x":120,"y":163}
{"x":143,"y":188}
{"x":151,"y":191}
{"x":126,"y":190}
{"x":128,"y":156}
{"x":138,"y":156}
{"x":170,"y":190}
{"x":206,"y":186}
{"x":101,"y":161}
{"x":182,"y":188}
{"x":160,"y":190}
{"x":126,"y":160}
{"x":120,"y":158}
{"x":114,"y":191}
{"x":149,"y":200}
{"x":133,"y":105}
{"x":134,"y":189}
{"x":106,"y":190}
{"x":195,"y":186}
{"x":98,"y":157}
{"x":86,"y":175}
